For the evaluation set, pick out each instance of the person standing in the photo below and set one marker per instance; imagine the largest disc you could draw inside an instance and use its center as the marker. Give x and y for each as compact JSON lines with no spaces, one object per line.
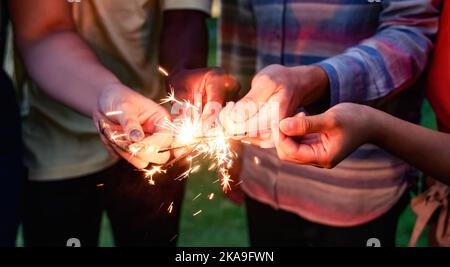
{"x":309,"y":56}
{"x":93,"y":57}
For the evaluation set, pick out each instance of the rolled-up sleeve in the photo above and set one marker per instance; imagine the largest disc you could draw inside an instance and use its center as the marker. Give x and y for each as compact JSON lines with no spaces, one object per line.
{"x":393,"y":58}
{"x":200,"y":5}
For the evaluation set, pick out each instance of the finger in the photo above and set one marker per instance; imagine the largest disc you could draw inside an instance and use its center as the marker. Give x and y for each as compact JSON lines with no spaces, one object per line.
{"x":296,"y":152}
{"x":302,"y":125}
{"x":210,"y":116}
{"x":256,"y":126}
{"x":262,"y":89}
{"x":224,"y":117}
{"x":129,"y":120}
{"x":148,"y":149}
{"x":156,"y":118}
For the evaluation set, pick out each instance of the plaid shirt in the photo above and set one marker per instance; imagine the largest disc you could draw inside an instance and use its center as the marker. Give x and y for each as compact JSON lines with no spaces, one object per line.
{"x":369,"y":50}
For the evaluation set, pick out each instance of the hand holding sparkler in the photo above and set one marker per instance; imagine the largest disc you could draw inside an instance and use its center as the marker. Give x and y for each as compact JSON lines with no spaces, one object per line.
{"x":208,"y":89}
{"x":128,"y":124}
{"x":276,"y":93}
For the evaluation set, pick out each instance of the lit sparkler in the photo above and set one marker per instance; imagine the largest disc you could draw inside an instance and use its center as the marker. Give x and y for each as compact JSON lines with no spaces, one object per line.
{"x":191,"y":139}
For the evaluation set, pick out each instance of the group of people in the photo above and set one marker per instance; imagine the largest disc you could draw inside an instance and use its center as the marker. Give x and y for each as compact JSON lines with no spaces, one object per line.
{"x":348,"y":78}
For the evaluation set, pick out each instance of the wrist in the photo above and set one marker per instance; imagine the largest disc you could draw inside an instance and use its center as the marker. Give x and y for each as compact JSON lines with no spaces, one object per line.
{"x":311,"y":84}
{"x":373,"y":122}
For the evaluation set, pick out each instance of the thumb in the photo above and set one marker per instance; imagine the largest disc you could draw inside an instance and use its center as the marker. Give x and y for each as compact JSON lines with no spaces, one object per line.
{"x":261,"y":90}
{"x":129,"y":120}
{"x":303,"y":125}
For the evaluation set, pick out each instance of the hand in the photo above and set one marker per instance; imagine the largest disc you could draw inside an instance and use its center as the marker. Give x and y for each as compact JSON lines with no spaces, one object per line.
{"x":276,"y":93}
{"x":209,"y":88}
{"x":325,"y":140}
{"x":137,"y":118}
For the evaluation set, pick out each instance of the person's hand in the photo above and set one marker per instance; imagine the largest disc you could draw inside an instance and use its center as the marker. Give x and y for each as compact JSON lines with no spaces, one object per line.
{"x":135,"y":120}
{"x":276,"y":93}
{"x":324,"y":140}
{"x":208,"y":87}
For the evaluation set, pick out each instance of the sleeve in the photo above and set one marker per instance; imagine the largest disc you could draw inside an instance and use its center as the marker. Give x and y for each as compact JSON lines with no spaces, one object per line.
{"x":200,"y":5}
{"x":237,"y":41}
{"x":391,"y":59}
{"x":438,"y":80}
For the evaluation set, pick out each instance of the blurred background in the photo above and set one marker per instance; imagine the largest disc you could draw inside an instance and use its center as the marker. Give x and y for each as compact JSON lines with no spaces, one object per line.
{"x":222,"y":223}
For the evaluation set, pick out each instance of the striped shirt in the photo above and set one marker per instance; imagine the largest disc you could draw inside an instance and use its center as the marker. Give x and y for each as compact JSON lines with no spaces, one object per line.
{"x":369,"y":51}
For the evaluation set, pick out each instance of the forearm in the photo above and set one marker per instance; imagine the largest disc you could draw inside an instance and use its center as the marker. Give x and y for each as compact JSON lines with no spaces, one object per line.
{"x":311,"y":85}
{"x":423,"y":148}
{"x":184,"y":40}
{"x":65,"y":67}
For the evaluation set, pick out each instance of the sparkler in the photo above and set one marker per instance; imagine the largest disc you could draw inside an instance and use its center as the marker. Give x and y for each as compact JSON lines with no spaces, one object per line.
{"x":190,"y":137}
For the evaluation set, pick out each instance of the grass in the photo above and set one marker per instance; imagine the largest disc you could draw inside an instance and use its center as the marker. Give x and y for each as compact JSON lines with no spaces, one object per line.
{"x":222,"y":223}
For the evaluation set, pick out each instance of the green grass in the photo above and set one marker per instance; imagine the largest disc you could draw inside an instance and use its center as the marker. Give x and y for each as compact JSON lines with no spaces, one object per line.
{"x":222,"y":223}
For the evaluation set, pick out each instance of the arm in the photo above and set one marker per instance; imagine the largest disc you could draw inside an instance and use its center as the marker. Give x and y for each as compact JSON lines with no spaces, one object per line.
{"x":423,"y":148}
{"x":56,"y":57}
{"x":389,"y":61}
{"x":330,"y":137}
{"x":184,"y":51}
{"x":66,"y":68}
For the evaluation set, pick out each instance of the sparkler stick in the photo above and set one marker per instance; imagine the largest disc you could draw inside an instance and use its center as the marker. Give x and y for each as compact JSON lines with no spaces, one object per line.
{"x":188,"y":134}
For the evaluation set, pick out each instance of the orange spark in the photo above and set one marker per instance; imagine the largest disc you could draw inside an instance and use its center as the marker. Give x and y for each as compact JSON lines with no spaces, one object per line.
{"x":170,"y":208}
{"x":197,"y":213}
{"x":112,"y":113}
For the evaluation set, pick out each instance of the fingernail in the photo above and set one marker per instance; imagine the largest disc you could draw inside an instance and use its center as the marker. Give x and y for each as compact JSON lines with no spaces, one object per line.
{"x":136,"y":135}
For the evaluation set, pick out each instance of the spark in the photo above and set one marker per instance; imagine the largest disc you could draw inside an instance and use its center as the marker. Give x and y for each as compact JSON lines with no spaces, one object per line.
{"x":170,"y":208}
{"x":135,"y":149}
{"x":112,"y":113}
{"x":211,"y":196}
{"x":256,"y":160}
{"x":212,"y":167}
{"x":195,"y":169}
{"x":190,"y":137}
{"x":246,"y":142}
{"x":150,"y":173}
{"x":100,"y":185}
{"x":163,"y":71}
{"x":197,"y":196}
{"x":170,"y":98}
{"x":197,"y":213}
{"x":116,"y":137}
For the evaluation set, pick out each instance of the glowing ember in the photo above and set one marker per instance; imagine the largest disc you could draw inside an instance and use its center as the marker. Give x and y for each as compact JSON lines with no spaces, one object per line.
{"x":256,"y":160}
{"x":112,"y":113}
{"x":163,"y":71}
{"x":100,"y":185}
{"x":150,"y":173}
{"x":197,"y":196}
{"x":197,"y":213}
{"x":211,"y":196}
{"x":170,"y":208}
